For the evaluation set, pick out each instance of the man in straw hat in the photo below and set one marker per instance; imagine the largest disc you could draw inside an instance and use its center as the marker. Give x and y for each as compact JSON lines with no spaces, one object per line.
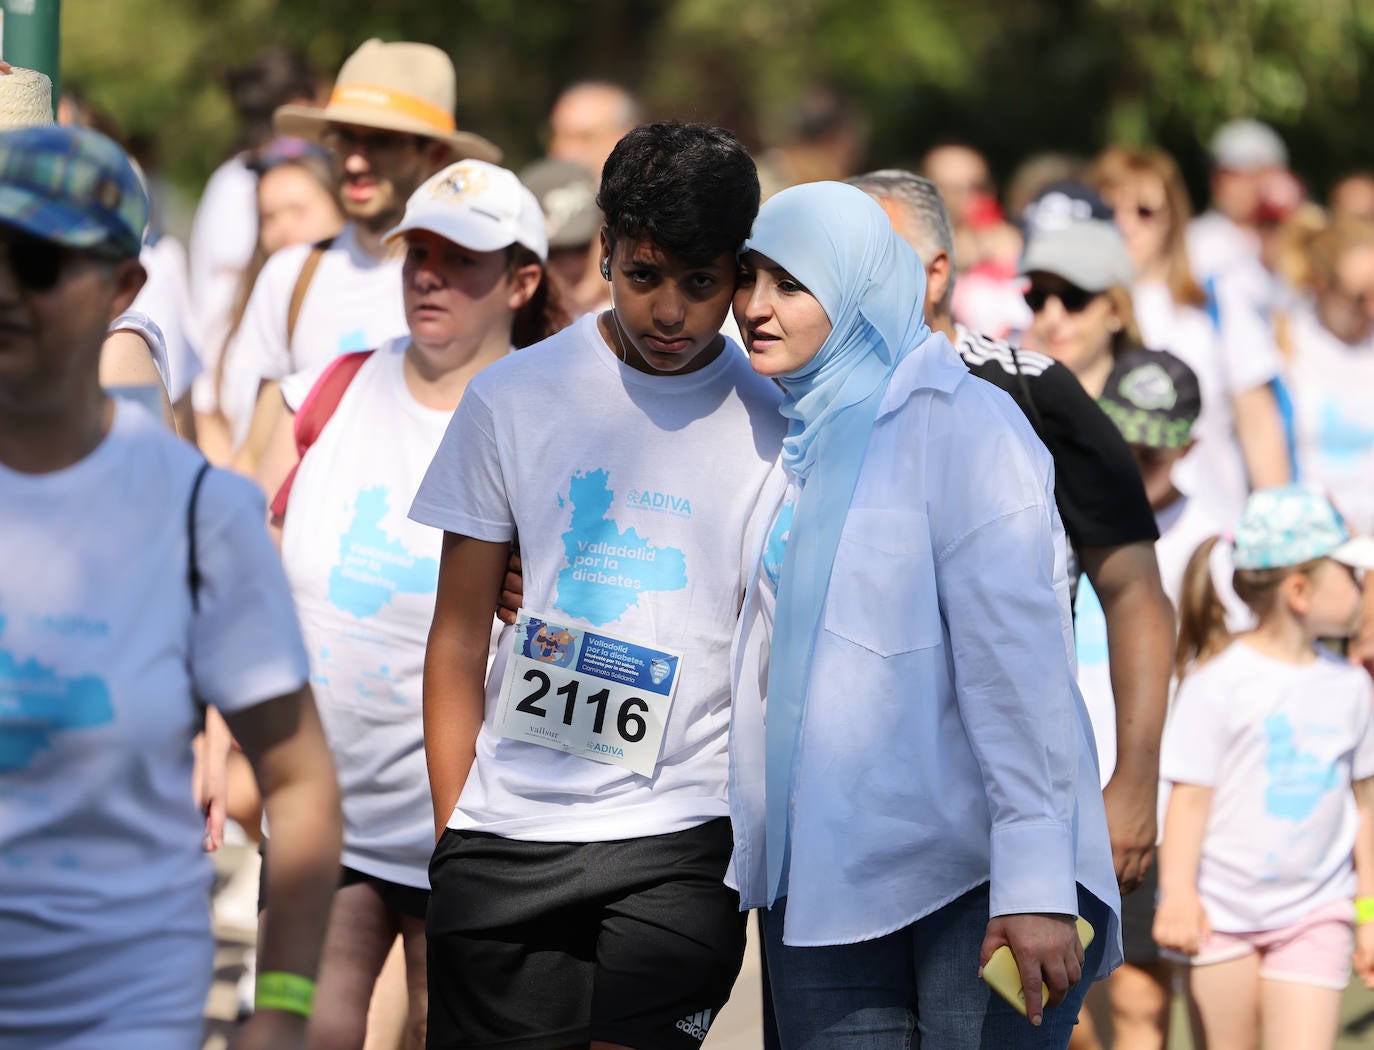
{"x":389,"y":124}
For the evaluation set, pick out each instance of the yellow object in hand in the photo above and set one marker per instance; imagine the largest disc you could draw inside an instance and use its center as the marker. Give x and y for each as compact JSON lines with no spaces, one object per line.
{"x":1004,"y":978}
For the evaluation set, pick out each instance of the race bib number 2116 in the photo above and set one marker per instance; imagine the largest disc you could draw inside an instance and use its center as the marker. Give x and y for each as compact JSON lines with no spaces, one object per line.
{"x":587,"y":693}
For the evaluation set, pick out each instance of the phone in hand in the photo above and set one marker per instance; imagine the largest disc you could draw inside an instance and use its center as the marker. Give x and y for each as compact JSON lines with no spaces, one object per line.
{"x":1003,"y":976}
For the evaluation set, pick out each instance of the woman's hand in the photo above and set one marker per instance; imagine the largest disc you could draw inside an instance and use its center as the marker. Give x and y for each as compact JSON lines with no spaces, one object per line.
{"x":1181,"y":922}
{"x":1047,"y":951}
{"x":210,"y":776}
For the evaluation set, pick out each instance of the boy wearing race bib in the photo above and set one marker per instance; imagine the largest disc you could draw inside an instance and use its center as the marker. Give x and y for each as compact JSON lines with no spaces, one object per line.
{"x":577,"y":886}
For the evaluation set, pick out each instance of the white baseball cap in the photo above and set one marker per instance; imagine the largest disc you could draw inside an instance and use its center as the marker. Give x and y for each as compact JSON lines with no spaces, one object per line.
{"x":478,"y":205}
{"x":1248,"y":145}
{"x":1090,"y":255}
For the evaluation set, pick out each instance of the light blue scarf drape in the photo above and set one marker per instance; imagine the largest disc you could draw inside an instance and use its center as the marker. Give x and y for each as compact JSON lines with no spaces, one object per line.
{"x":837,"y":242}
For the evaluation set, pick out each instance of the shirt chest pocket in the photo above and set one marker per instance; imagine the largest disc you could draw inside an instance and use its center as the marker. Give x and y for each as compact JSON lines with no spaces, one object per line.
{"x":882,"y":590}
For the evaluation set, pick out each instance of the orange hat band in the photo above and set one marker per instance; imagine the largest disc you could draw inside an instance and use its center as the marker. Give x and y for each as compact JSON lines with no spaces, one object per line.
{"x":384,"y":99}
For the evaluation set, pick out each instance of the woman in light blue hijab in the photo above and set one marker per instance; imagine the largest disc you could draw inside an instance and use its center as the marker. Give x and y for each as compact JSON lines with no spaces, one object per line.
{"x":929,"y":788}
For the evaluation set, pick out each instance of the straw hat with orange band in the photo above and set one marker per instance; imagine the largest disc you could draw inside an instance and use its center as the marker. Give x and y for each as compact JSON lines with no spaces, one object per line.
{"x":402,"y":87}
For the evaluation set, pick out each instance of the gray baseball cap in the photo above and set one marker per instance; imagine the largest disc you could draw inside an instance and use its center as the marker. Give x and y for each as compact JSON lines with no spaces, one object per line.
{"x":1089,"y":255}
{"x":1247,"y":145}
{"x":567,"y":193}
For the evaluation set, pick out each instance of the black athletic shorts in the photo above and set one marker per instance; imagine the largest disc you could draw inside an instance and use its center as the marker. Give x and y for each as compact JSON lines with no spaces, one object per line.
{"x":546,"y":945}
{"x":398,"y":897}
{"x":1138,"y":920}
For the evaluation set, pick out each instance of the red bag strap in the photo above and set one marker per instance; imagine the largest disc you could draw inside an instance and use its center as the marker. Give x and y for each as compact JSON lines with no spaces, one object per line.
{"x":315,"y":411}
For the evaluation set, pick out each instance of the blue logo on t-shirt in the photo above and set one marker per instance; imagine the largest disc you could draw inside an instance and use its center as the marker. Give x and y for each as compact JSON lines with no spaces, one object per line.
{"x":373,"y":567}
{"x":609,"y":568}
{"x":1297,"y":779}
{"x":776,"y":548}
{"x":36,"y":703}
{"x":1342,"y":440}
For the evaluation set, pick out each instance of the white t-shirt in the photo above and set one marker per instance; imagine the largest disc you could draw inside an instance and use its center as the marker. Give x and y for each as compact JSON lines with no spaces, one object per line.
{"x":353,"y":303}
{"x":363,"y":575}
{"x":166,"y":299}
{"x":1280,"y":745}
{"x":1214,"y":472}
{"x":104,"y":922}
{"x":223,"y":236}
{"x":1216,"y":244}
{"x":631,"y":495}
{"x":1183,"y":525}
{"x":1332,"y":386}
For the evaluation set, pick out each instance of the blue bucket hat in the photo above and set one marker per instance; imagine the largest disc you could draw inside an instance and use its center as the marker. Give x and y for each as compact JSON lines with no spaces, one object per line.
{"x":72,"y":186}
{"x":1292,"y":524}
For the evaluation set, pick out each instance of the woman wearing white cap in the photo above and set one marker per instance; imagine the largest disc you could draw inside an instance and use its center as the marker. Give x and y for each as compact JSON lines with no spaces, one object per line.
{"x":364,"y":575}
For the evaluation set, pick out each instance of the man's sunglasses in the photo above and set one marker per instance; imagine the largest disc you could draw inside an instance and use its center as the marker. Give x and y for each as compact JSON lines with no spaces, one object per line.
{"x":1072,"y":298}
{"x":37,"y":264}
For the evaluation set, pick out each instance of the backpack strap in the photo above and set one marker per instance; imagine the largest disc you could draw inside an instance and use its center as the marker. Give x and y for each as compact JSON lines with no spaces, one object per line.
{"x":303,"y":279}
{"x":1033,"y":412}
{"x":315,"y":411}
{"x":192,"y":564}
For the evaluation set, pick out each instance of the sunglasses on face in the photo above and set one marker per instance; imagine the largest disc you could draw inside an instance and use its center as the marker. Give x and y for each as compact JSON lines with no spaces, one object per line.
{"x":37,"y":264}
{"x":344,"y":141}
{"x":1071,"y":298}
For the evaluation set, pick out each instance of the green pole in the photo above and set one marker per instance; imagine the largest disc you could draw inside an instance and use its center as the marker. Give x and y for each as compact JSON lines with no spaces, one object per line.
{"x":31,"y":37}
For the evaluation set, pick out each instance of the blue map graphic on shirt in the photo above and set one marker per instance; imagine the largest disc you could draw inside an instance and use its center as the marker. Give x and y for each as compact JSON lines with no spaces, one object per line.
{"x":1343,"y":440}
{"x":36,"y":703}
{"x":609,"y":567}
{"x":352,"y":342}
{"x":1297,"y":779}
{"x":776,"y":548}
{"x":373,"y":567}
{"x":1090,"y":627}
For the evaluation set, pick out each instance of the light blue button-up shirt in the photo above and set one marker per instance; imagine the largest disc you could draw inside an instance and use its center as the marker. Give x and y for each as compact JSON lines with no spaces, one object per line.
{"x":944,"y":743}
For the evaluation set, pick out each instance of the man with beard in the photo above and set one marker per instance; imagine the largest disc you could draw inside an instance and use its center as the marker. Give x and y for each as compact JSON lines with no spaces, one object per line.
{"x":389,"y":124}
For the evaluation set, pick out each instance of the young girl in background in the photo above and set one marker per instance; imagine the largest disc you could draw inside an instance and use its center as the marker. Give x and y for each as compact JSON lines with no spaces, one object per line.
{"x":1264,"y":839}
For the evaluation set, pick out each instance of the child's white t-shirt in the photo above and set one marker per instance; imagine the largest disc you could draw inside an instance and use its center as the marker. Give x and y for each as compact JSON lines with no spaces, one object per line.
{"x":631,"y":495}
{"x":103,"y":875}
{"x":1280,"y":745}
{"x":364,"y":575}
{"x":353,"y":302}
{"x":1332,"y":386}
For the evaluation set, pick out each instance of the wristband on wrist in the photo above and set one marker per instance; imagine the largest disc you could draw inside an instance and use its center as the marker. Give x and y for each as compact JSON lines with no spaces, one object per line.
{"x":290,"y":992}
{"x":1364,"y":910}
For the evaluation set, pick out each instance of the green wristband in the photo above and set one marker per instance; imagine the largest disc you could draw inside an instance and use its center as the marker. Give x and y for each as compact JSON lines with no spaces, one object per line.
{"x":1364,"y":910}
{"x":290,"y":992}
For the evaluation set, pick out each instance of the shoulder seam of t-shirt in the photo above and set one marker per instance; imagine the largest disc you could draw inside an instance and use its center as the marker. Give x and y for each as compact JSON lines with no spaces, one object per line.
{"x":983,"y":348}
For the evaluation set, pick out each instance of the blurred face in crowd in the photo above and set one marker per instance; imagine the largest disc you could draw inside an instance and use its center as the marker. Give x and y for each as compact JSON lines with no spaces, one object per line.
{"x":1142,"y":213}
{"x":783,"y":324}
{"x":1156,"y":470}
{"x":960,"y":174}
{"x":1073,"y":326}
{"x":293,"y":208}
{"x":1345,"y":304}
{"x":55,"y":305}
{"x":586,"y":122}
{"x":457,"y":298}
{"x":379,"y":170}
{"x":1353,"y":197}
{"x":1237,"y":194}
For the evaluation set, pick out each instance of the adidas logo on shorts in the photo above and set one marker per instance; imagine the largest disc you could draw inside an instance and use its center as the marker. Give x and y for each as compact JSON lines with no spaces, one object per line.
{"x":696,"y":1025}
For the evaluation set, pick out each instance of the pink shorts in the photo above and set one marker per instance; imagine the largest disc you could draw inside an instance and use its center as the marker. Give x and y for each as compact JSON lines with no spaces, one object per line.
{"x":1314,"y":950}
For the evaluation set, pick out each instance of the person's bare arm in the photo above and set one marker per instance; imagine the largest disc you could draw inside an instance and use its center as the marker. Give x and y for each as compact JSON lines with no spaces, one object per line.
{"x":1180,"y":920}
{"x":267,"y":411}
{"x":285,"y":744}
{"x":1364,"y":875}
{"x":1140,"y":641}
{"x":126,"y":367}
{"x":1259,"y":429}
{"x":470,"y":578}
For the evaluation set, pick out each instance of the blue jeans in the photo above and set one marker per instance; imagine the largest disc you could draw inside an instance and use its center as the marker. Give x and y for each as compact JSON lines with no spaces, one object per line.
{"x":917,"y":987}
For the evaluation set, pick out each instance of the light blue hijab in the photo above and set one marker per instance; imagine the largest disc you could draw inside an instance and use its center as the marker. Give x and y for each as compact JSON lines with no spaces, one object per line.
{"x":838,"y":242}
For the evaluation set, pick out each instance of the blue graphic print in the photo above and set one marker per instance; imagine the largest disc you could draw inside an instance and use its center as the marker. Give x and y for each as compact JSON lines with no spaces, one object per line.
{"x":609,"y":568}
{"x":1090,"y":627}
{"x":776,"y":548}
{"x":373,"y":568}
{"x":36,"y":703}
{"x":1297,"y":779}
{"x":1343,"y":440}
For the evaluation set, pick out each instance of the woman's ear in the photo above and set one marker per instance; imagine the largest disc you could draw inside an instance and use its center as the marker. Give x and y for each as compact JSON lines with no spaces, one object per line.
{"x":524,"y":281}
